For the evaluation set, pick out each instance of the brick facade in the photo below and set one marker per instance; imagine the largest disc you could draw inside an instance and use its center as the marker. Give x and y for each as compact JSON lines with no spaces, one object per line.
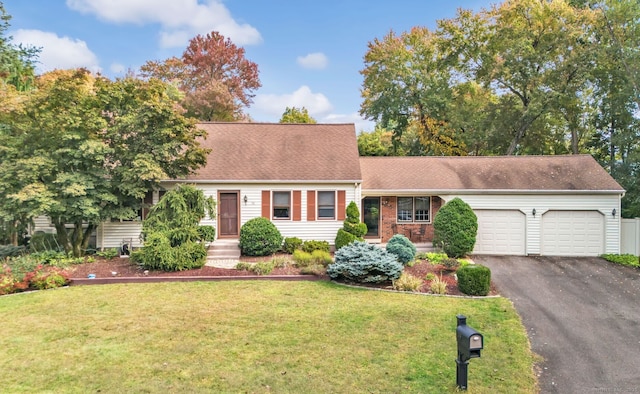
{"x":416,"y":232}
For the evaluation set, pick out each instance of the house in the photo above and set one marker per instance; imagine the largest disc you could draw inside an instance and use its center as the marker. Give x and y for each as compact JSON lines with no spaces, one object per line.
{"x":302,"y":176}
{"x":526,"y":205}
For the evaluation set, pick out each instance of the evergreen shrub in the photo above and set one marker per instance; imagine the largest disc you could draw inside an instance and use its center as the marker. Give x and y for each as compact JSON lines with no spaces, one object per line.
{"x":474,"y":279}
{"x":362,"y":262}
{"x":455,"y":228}
{"x":402,"y":248}
{"x":310,"y":246}
{"x":259,"y":237}
{"x":291,"y":244}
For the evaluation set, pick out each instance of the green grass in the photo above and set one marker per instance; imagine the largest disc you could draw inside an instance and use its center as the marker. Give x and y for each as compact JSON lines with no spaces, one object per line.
{"x":254,"y":336}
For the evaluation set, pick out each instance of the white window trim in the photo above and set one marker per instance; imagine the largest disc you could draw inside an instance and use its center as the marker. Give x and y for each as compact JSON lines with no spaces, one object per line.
{"x":335,"y":205}
{"x":413,"y":210}
{"x":273,"y":205}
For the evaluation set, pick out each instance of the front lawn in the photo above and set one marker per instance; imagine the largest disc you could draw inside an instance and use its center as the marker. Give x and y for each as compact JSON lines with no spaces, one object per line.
{"x":258,"y":336}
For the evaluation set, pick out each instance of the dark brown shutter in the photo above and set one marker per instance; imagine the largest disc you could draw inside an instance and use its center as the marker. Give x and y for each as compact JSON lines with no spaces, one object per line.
{"x":266,"y":204}
{"x":341,"y":206}
{"x":311,"y":205}
{"x":297,"y":205}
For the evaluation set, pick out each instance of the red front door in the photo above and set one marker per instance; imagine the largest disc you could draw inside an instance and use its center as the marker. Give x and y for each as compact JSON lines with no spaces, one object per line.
{"x":228,"y":214}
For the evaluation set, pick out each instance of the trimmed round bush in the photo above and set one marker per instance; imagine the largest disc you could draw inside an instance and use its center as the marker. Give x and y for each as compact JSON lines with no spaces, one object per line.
{"x":474,"y":279}
{"x":259,"y":237}
{"x":455,"y":228}
{"x":362,"y":262}
{"x":344,"y":238}
{"x":402,"y":248}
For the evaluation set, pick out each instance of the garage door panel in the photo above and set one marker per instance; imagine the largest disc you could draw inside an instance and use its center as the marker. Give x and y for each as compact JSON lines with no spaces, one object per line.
{"x":572,"y":233}
{"x":500,"y":232}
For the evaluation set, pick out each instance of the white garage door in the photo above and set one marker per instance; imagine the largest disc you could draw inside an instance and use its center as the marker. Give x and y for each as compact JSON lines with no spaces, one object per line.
{"x":572,"y":233}
{"x":500,"y":232}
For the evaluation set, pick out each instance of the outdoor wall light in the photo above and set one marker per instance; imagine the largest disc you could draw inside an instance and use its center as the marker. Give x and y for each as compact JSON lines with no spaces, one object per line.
{"x":534,"y":212}
{"x":245,"y":199}
{"x":613,"y":213}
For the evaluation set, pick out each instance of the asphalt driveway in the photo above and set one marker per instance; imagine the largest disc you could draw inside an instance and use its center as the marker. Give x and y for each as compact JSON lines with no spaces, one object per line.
{"x":582,"y":316}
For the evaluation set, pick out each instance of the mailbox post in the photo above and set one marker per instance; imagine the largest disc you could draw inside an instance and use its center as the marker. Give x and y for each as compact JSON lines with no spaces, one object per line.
{"x":470,"y":343}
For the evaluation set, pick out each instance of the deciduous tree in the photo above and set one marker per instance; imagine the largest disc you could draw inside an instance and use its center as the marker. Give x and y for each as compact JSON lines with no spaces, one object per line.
{"x":84,"y":149}
{"x":296,"y":115}
{"x":215,"y":77}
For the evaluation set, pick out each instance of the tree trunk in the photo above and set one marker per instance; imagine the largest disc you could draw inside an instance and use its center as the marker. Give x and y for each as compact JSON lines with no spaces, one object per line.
{"x":61,"y":234}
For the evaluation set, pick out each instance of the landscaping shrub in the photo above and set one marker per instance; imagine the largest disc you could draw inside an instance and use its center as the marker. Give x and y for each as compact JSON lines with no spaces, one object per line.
{"x":450,"y":264}
{"x":321,"y":257}
{"x":344,"y":238}
{"x":352,"y":229}
{"x":44,"y":241}
{"x":455,"y":228}
{"x":302,"y":258}
{"x":402,"y":248}
{"x":291,"y":244}
{"x":364,"y":263}
{"x":622,"y":259}
{"x":259,"y":237}
{"x":438,"y":286}
{"x":173,"y":237}
{"x":436,"y":258}
{"x":46,"y":278}
{"x":407,"y":282}
{"x":474,"y":279}
{"x":207,"y":233}
{"x":310,"y":246}
{"x":108,"y":253}
{"x":11,"y":251}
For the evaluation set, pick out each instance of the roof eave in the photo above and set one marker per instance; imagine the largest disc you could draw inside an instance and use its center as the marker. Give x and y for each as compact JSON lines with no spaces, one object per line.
{"x":391,"y":192}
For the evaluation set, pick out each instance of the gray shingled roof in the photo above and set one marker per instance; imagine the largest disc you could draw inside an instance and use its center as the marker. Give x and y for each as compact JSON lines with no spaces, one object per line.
{"x":484,"y":173}
{"x":280,"y":152}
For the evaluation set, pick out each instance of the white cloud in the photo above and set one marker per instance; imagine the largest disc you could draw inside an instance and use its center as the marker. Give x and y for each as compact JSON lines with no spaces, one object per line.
{"x":361,"y":124}
{"x":317,"y":61}
{"x":58,"y":52}
{"x":117,"y":68}
{"x":180,"y":20}
{"x":273,"y":104}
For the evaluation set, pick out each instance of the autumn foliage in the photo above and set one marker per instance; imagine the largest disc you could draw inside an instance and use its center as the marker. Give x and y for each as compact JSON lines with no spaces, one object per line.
{"x":216,"y":79}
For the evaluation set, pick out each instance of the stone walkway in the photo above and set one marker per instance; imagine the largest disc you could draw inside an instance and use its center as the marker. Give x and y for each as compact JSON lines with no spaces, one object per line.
{"x":228,"y":264}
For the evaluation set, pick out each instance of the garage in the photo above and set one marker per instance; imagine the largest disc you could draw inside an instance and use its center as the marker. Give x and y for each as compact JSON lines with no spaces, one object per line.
{"x":572,"y":233}
{"x":500,"y":232}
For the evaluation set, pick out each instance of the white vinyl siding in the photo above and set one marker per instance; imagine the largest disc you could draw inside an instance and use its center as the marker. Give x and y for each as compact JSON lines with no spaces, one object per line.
{"x":322,"y":230}
{"x":500,"y":232}
{"x":572,"y":233}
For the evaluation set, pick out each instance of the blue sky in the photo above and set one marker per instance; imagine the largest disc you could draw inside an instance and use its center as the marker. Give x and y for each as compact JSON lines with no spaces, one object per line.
{"x":309,"y":53}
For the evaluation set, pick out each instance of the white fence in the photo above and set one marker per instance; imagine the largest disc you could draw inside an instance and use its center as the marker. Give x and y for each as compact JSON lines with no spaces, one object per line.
{"x":630,"y":236}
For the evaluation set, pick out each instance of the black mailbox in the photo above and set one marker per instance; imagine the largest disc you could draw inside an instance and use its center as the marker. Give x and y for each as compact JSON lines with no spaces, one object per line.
{"x":470,"y":342}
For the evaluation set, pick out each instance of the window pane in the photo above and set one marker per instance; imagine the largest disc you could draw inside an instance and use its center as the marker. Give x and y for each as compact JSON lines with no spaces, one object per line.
{"x":281,"y":198}
{"x":422,"y":205}
{"x":281,"y":205}
{"x":326,"y":205}
{"x":405,"y":209}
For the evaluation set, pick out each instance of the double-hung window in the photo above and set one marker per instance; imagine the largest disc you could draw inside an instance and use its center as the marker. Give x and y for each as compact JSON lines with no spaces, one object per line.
{"x":282,"y":205}
{"x":326,"y":205}
{"x":413,"y":209}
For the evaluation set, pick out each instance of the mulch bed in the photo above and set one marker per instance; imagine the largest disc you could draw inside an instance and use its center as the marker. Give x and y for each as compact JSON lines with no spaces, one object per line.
{"x":123,"y":268}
